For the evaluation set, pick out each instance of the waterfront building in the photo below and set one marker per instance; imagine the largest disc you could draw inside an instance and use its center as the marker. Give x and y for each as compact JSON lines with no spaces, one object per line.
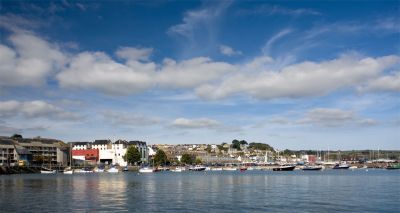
{"x":81,"y":145}
{"x":142,"y":148}
{"x":8,"y":155}
{"x":90,"y":155}
{"x":44,"y":150}
{"x":33,"y":151}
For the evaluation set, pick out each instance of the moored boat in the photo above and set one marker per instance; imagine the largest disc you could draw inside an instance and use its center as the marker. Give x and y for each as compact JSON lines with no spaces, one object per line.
{"x":242,"y":169}
{"x":113,"y":170}
{"x":146,"y":170}
{"x":216,"y":169}
{"x":68,"y":172}
{"x":229,"y":169}
{"x":341,"y":166}
{"x":47,"y":171}
{"x":393,"y":166}
{"x":177,"y":169}
{"x":197,"y":168}
{"x":284,"y":168}
{"x":312,"y":168}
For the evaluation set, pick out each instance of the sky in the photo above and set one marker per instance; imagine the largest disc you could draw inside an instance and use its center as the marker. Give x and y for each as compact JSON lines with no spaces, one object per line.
{"x":293,"y":74}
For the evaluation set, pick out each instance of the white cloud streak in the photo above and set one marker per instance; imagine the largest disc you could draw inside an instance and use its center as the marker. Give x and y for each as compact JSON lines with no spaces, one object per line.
{"x":305,"y":79}
{"x":29,"y":61}
{"x":35,"y":109}
{"x":200,"y":123}
{"x":228,"y":51}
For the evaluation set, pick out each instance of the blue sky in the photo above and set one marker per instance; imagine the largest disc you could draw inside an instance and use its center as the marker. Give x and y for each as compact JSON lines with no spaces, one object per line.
{"x":293,"y":74}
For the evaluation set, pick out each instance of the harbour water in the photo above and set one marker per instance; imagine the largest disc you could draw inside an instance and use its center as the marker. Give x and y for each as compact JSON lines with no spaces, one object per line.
{"x":374,"y":190}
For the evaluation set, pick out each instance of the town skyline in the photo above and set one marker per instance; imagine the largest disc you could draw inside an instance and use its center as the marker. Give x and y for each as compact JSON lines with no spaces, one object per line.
{"x":294,"y":75}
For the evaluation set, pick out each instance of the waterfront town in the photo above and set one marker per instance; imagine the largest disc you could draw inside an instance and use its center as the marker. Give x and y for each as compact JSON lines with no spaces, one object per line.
{"x":34,"y":155}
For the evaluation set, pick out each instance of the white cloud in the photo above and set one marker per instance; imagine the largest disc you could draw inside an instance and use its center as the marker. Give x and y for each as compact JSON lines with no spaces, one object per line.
{"x":198,"y":18}
{"x":29,"y":62}
{"x":135,"y":54}
{"x":195,"y":123}
{"x":130,"y":119}
{"x":34,"y":109}
{"x":269,"y":10}
{"x":332,"y":117}
{"x":389,"y":83}
{"x":191,"y":73}
{"x":327,"y":117}
{"x":306,"y":79}
{"x":228,"y":51}
{"x":96,"y":70}
{"x":267,"y":48}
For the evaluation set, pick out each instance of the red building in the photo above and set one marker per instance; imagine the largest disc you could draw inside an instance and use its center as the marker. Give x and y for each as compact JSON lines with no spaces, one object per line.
{"x":87,"y":154}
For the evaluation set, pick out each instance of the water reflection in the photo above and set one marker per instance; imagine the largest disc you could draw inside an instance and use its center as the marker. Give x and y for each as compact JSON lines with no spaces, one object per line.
{"x":202,"y":192}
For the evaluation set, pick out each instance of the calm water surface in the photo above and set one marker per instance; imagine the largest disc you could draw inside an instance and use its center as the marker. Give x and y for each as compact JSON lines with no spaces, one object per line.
{"x":251,"y":191}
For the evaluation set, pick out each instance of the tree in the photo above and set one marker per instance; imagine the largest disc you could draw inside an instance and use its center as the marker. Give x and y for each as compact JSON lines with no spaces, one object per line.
{"x":160,"y":157}
{"x":243,"y":142}
{"x":198,"y":161}
{"x":236,"y":144}
{"x":187,"y":159}
{"x":16,"y":136}
{"x":208,"y":149}
{"x":132,"y":155}
{"x":260,"y":146}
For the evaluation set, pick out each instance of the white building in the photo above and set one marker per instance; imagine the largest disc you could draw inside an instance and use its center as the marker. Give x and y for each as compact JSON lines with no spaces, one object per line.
{"x":80,"y":145}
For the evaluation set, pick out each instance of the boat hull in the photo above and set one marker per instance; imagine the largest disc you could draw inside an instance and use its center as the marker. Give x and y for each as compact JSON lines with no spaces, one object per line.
{"x":284,"y":168}
{"x":312,"y":169}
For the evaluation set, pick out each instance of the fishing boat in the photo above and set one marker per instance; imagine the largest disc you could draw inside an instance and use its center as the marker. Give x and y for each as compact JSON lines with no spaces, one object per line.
{"x":242,"y":169}
{"x":312,"y":168}
{"x":125,"y":169}
{"x":197,"y":168}
{"x":284,"y":168}
{"x":393,"y":166}
{"x":341,"y":166}
{"x":216,"y":169}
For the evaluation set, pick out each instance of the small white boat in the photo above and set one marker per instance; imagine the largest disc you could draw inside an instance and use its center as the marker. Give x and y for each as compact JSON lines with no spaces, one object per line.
{"x":112,"y":170}
{"x":216,"y":169}
{"x":197,"y":168}
{"x":146,"y":170}
{"x":98,"y":170}
{"x":353,"y":167}
{"x":177,"y":169}
{"x":84,"y":171}
{"x":68,"y":172}
{"x":48,"y":171}
{"x":229,"y":169}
